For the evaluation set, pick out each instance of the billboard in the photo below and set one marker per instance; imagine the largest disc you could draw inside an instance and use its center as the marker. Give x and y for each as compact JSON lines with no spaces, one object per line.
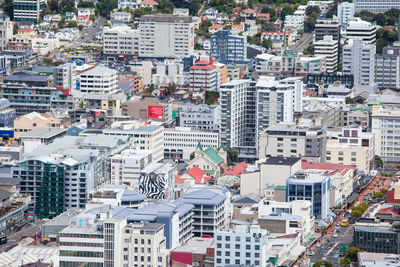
{"x":155,"y":112}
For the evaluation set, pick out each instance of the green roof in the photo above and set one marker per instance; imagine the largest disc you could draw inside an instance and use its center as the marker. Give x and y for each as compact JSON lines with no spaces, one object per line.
{"x":280,"y":187}
{"x":213,"y":155}
{"x":222,"y":147}
{"x":199,"y":146}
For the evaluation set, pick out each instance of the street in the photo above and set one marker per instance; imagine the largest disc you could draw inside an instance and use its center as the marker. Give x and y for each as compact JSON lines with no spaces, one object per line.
{"x":88,"y":34}
{"x":29,"y":230}
{"x":303,"y":43}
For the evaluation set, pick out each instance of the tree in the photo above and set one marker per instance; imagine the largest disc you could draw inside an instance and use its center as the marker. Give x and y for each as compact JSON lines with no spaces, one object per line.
{"x":352,"y":253}
{"x":61,"y":23}
{"x":309,"y":50}
{"x":106,"y":24}
{"x":86,"y":4}
{"x":15,"y":28}
{"x":191,"y":155}
{"x":380,"y":19}
{"x":287,"y":10}
{"x":349,"y":100}
{"x":232,"y":155}
{"x":378,"y":161}
{"x":72,"y":24}
{"x":54,"y":6}
{"x":211,"y":97}
{"x":106,"y":6}
{"x":271,"y":12}
{"x":8,"y":8}
{"x":67,"y":6}
{"x":323,"y":263}
{"x":80,"y":27}
{"x":356,"y":213}
{"x":267,"y":43}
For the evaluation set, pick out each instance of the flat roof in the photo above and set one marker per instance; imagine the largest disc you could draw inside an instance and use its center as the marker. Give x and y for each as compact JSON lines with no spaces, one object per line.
{"x":282,"y":161}
{"x":43,"y":133}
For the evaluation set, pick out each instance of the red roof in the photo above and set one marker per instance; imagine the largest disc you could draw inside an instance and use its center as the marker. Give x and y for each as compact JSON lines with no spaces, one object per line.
{"x":216,"y":26}
{"x":390,"y":198}
{"x":149,"y":2}
{"x":237,"y":170}
{"x":83,"y":17}
{"x":330,"y":168}
{"x":262,"y":15}
{"x":389,"y":211}
{"x":196,"y":172}
{"x":178,"y":179}
{"x":25,"y":30}
{"x":203,"y":64}
{"x":308,"y":92}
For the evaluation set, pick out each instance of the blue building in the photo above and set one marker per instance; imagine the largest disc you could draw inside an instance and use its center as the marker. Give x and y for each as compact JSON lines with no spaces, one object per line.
{"x":7,"y":114}
{"x":77,"y":129}
{"x":313,"y":187}
{"x":229,"y":49}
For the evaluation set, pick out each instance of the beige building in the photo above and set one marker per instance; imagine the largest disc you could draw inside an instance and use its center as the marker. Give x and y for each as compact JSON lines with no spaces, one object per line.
{"x":269,"y":172}
{"x":148,"y":107}
{"x":351,"y":146}
{"x":143,"y":69}
{"x":34,"y":120}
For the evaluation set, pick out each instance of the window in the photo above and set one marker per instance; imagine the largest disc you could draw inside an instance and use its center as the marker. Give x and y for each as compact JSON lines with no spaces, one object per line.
{"x":247,"y":254}
{"x":227,"y":246}
{"x":237,"y":246}
{"x":237,"y":238}
{"x":237,"y":254}
{"x":341,"y":153}
{"x":227,"y":261}
{"x":257,"y":247}
{"x":219,"y":245}
{"x":248,"y":239}
{"x":328,"y":152}
{"x":354,"y":153}
{"x":227,"y":238}
{"x":227,"y":253}
{"x":219,"y":253}
{"x":219,"y":238}
{"x":293,"y":139}
{"x":353,"y":159}
{"x":247,"y":247}
{"x":340,"y":158}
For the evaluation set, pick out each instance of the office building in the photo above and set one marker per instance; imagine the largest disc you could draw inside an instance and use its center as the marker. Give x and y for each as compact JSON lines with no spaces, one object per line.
{"x":362,"y":30}
{"x":375,"y":6}
{"x":351,"y":146}
{"x":203,"y":76}
{"x":166,"y":36}
{"x":289,"y":140}
{"x":126,"y":167}
{"x":212,"y":208}
{"x":201,"y":251}
{"x":99,"y":80}
{"x":201,"y":117}
{"x":28,"y":10}
{"x":325,"y":27}
{"x":371,"y":259}
{"x":120,"y":41}
{"x":157,"y":181}
{"x":328,"y":48}
{"x":65,"y":76}
{"x":245,"y":245}
{"x":7,"y":114}
{"x":181,"y":142}
{"x":148,"y":107}
{"x":345,"y":11}
{"x":387,"y":67}
{"x":314,"y":187}
{"x":169,"y":72}
{"x":376,"y":238}
{"x":359,"y":60}
{"x":228,"y":49}
{"x":6,"y":31}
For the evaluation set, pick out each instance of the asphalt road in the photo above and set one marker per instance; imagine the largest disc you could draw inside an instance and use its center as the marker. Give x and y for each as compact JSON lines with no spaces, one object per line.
{"x":88,"y":34}
{"x":303,"y":43}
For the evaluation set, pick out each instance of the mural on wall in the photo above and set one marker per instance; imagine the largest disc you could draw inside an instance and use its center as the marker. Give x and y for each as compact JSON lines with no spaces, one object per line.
{"x":153,"y":185}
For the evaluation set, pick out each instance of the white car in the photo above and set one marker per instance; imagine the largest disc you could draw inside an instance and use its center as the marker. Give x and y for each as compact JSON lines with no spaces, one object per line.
{"x":310,"y":253}
{"x":335,"y":235}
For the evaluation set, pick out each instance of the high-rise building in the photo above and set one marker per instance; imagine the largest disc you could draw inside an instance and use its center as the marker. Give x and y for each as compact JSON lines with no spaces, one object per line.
{"x":201,"y":117}
{"x":99,"y":80}
{"x":166,"y":36}
{"x":359,"y":29}
{"x":375,"y":6}
{"x":204,"y":76}
{"x":28,"y":10}
{"x":327,"y":27}
{"x":328,"y":48}
{"x":359,"y":60}
{"x":6,"y":31}
{"x":345,"y":11}
{"x":244,"y":246}
{"x":65,"y":76}
{"x":228,"y":49}
{"x":387,"y":67}
{"x":120,"y":41}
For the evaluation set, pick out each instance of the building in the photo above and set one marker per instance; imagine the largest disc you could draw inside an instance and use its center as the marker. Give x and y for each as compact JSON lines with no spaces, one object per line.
{"x":65,"y":76}
{"x":345,"y":11}
{"x":201,"y":117}
{"x":148,"y":107}
{"x":387,"y":67}
{"x":167,"y":73}
{"x":351,"y":146}
{"x":204,"y":76}
{"x":370,"y":259}
{"x":376,"y":238}
{"x":245,"y":245}
{"x":181,"y":142}
{"x":211,"y":161}
{"x":289,"y":140}
{"x":212,"y":208}
{"x":295,"y":21}
{"x":131,"y":4}
{"x":99,"y":80}
{"x":126,"y":167}
{"x":375,"y":6}
{"x":120,"y":41}
{"x":28,"y":10}
{"x":325,"y":27}
{"x":155,"y":30}
{"x":228,"y":49}
{"x":115,"y":196}
{"x":328,"y":48}
{"x":359,"y":60}
{"x":143,"y":68}
{"x":34,"y":120}
{"x":359,"y":29}
{"x":6,"y":31}
{"x":200,"y":250}
{"x":7,"y":114}
{"x":314,"y":187}
{"x":121,"y":16}
{"x":157,"y":181}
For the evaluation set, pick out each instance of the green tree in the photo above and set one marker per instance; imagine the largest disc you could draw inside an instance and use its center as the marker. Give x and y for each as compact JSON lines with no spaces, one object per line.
{"x":380,"y":19}
{"x":351,"y":253}
{"x":8,"y":8}
{"x":61,"y":23}
{"x":356,"y":213}
{"x":349,"y":100}
{"x":67,"y":6}
{"x":72,"y":24}
{"x":54,"y":6}
{"x":15,"y":28}
{"x":323,"y":264}
{"x":232,"y":155}
{"x":86,"y":4}
{"x":378,"y":161}
{"x":309,"y":50}
{"x":191,"y":155}
{"x":106,"y":6}
{"x":80,"y":27}
{"x":106,"y":24}
{"x":287,"y":10}
{"x":267,"y":43}
{"x":211,"y":97}
{"x":271,"y":12}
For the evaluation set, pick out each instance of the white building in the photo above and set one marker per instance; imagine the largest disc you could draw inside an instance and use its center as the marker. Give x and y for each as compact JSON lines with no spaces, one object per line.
{"x":120,"y":40}
{"x":6,"y":31}
{"x":65,"y":76}
{"x":180,"y":142}
{"x":328,"y":48}
{"x":376,"y":6}
{"x":359,"y":29}
{"x":86,"y":11}
{"x":295,"y":21}
{"x":131,"y":4}
{"x":245,"y":245}
{"x":201,"y":116}
{"x":28,"y":10}
{"x":99,"y":80}
{"x":121,"y":16}
{"x":169,"y":72}
{"x":203,"y":76}
{"x":359,"y":60}
{"x":345,"y":11}
{"x":126,"y":167}
{"x":166,"y":36}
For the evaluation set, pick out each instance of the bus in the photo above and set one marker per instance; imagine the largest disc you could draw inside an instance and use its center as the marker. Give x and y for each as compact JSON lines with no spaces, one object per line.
{"x":345,"y":221}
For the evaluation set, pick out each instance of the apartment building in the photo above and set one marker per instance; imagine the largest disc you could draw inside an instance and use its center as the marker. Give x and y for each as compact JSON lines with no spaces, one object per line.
{"x":314,"y":187}
{"x":345,"y":11}
{"x":204,"y":76}
{"x":295,"y":21}
{"x":387,"y":67}
{"x":166,"y":36}
{"x":325,"y":27}
{"x":65,"y":76}
{"x":201,"y":117}
{"x":131,"y":4}
{"x":28,"y":10}
{"x":351,"y":146}
{"x":99,"y":80}
{"x":169,"y":72}
{"x":6,"y":31}
{"x":362,"y":30}
{"x":181,"y":142}
{"x":359,"y":60}
{"x":289,"y":140}
{"x":126,"y":167}
{"x":328,"y":48}
{"x":375,"y":6}
{"x":228,"y":49}
{"x":120,"y":41}
{"x":245,"y":245}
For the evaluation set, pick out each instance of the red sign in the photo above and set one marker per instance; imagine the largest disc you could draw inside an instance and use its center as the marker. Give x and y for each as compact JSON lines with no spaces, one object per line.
{"x":155,"y":112}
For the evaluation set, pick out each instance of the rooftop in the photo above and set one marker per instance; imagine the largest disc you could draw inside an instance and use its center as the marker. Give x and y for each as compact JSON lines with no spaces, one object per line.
{"x":307,"y":178}
{"x":43,"y":133}
{"x":281,"y":161}
{"x":100,"y":70}
{"x":196,"y":245}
